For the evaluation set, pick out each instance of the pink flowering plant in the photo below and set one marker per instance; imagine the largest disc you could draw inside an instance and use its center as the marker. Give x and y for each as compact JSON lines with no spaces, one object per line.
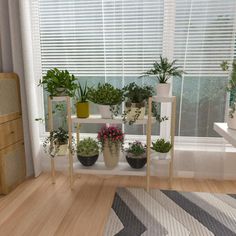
{"x":111,"y":135}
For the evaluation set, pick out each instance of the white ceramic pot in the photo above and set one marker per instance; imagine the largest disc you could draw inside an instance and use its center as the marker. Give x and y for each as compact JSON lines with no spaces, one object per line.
{"x":111,"y":155}
{"x":163,"y":90}
{"x":159,"y":155}
{"x":232,"y":121}
{"x":133,"y":111}
{"x":105,"y":111}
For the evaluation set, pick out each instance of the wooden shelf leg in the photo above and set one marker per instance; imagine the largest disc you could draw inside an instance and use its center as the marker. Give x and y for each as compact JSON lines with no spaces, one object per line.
{"x":53,"y":170}
{"x":148,"y":133}
{"x":71,"y":170}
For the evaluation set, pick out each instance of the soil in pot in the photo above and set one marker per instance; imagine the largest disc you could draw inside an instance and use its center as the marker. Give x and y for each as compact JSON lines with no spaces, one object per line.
{"x":136,"y":162}
{"x":87,"y":161}
{"x":82,"y":109}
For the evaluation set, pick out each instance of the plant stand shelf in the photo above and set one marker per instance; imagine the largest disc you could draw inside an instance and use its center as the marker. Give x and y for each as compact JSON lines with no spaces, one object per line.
{"x":123,"y":168}
{"x":69,"y":124}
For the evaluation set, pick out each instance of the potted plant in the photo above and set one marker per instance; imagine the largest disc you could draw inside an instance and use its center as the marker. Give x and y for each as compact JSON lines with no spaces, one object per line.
{"x":82,"y":105}
{"x":59,"y":83}
{"x":163,"y":71}
{"x":231,"y":88}
{"x":108,"y":97}
{"x":161,"y":148}
{"x":136,"y":155}
{"x":56,"y":139}
{"x":136,"y":98}
{"x":111,"y":139}
{"x":87,"y":151}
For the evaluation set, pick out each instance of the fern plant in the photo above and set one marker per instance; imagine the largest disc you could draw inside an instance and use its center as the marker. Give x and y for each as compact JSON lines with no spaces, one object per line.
{"x":164,"y":69}
{"x":87,"y":147}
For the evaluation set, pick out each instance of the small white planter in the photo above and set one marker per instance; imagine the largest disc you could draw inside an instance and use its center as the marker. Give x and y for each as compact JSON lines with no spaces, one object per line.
{"x":105,"y":111}
{"x":232,"y":121}
{"x":133,"y":110}
{"x":159,"y":155}
{"x":163,"y":90}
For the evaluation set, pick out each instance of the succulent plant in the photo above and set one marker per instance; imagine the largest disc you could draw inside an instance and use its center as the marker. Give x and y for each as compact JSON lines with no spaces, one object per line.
{"x":88,"y":147}
{"x":136,"y":149}
{"x":161,"y":146}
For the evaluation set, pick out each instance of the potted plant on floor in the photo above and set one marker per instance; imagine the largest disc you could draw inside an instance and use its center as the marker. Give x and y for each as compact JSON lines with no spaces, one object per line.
{"x":161,"y":148}
{"x":136,"y":155}
{"x":108,"y":98}
{"x":163,"y":71}
{"x":111,"y":139}
{"x":57,"y":142}
{"x":82,"y":105}
{"x":87,"y":151}
{"x":231,"y":88}
{"x":59,"y":83}
{"x":136,"y":98}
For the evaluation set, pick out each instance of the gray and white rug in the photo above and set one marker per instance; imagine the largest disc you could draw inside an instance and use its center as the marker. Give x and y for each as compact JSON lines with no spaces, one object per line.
{"x":162,"y":212}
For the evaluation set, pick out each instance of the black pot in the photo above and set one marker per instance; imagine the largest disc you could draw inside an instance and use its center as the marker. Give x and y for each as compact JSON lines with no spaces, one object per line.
{"x":136,"y":163}
{"x":87,"y":161}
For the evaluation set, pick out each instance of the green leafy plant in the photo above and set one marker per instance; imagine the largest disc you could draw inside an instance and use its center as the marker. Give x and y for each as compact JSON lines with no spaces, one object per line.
{"x":59,"y":82}
{"x":161,"y":146}
{"x":56,"y":138}
{"x":137,"y":94}
{"x":106,"y":94}
{"x":231,"y":86}
{"x":88,"y":147}
{"x":163,"y":70}
{"x":82,"y":93}
{"x":136,"y":149}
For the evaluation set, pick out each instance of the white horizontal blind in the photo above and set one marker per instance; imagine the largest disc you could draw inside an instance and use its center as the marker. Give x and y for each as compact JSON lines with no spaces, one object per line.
{"x":204,"y":35}
{"x":101,"y":37}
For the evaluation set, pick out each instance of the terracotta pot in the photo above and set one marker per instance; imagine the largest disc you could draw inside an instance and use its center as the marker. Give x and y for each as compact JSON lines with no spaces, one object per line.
{"x":111,"y":154}
{"x":105,"y":111}
{"x":163,"y":90}
{"x":82,"y":109}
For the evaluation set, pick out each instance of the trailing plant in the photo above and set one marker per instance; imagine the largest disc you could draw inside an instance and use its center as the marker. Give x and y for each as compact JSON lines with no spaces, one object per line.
{"x":111,"y":135}
{"x":164,"y":69}
{"x":59,"y":110}
{"x":156,"y":113}
{"x":82,"y":93}
{"x":88,"y":147}
{"x":161,"y":146}
{"x":137,"y":96}
{"x":56,"y":138}
{"x":231,"y":85}
{"x":107,"y":94}
{"x":136,"y":150}
{"x":57,"y":82}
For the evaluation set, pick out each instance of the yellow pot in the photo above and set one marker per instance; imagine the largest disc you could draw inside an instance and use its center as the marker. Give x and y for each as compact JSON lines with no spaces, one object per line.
{"x":82,"y":109}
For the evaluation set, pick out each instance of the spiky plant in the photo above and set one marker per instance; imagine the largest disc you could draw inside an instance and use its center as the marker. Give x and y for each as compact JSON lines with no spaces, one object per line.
{"x":164,"y":69}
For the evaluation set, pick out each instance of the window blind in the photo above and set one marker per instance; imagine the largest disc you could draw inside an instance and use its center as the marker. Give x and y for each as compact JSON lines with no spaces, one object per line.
{"x":101,"y":37}
{"x":204,"y":35}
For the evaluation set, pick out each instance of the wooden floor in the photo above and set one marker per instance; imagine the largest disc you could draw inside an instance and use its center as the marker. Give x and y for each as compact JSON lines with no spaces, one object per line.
{"x":38,"y":207}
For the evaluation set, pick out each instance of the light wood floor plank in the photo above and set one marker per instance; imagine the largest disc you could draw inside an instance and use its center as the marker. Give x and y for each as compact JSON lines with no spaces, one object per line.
{"x":37,"y":207}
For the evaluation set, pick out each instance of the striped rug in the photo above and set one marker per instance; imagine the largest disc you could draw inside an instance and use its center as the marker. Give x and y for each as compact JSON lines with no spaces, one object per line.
{"x":162,"y":212}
